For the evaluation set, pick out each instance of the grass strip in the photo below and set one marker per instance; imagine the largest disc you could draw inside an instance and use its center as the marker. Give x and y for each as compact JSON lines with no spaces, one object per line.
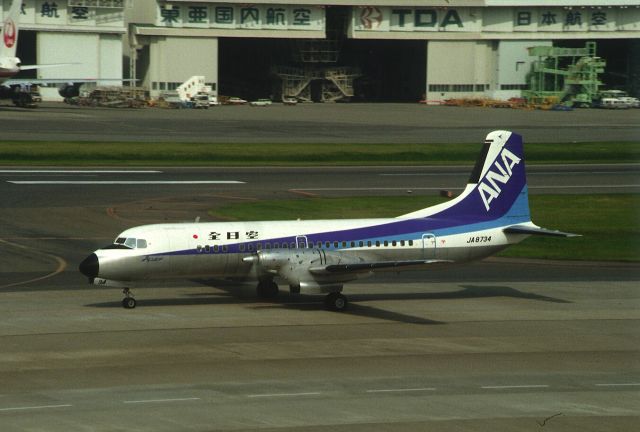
{"x":609,"y":224}
{"x":292,"y":154}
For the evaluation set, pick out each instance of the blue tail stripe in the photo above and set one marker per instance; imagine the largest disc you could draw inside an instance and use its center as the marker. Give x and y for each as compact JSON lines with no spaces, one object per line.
{"x":401,"y":230}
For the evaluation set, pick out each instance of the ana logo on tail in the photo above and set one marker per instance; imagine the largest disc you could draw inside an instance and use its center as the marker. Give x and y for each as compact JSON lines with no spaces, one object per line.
{"x":489,"y":188}
{"x":9,"y":33}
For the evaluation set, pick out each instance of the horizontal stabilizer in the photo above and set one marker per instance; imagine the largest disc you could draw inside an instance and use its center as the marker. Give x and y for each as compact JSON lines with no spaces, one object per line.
{"x":376,"y":265}
{"x":534,"y":230}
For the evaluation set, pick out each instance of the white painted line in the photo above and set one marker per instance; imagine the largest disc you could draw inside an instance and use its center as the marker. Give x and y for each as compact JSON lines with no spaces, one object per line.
{"x":377,"y":188}
{"x":421,"y":174}
{"x":123,"y":182}
{"x":402,"y":390}
{"x":514,"y":387}
{"x":584,"y":172}
{"x":161,"y":400}
{"x":35,"y":407}
{"x":530,"y":174}
{"x":79,"y":172}
{"x":459,"y":188}
{"x":585,"y":186}
{"x":618,"y":384}
{"x":268,"y":395}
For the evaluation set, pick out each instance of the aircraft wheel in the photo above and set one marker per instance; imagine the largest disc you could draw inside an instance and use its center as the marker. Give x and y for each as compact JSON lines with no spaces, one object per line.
{"x":267,"y":289}
{"x":336,"y":302}
{"x":128,"y":303}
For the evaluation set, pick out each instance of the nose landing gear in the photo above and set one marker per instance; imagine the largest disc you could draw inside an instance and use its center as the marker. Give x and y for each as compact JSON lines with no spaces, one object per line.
{"x":128,"y":302}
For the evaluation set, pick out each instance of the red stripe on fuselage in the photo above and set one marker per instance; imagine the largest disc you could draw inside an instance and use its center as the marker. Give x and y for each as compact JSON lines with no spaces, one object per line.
{"x":8,"y":73}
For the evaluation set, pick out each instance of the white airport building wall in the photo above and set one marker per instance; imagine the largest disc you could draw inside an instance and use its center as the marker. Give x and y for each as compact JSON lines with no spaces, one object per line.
{"x":89,"y":56}
{"x":522,"y":20}
{"x":459,"y":69}
{"x":111,"y":60}
{"x":513,"y":65}
{"x":173,"y":60}
{"x":478,"y":69}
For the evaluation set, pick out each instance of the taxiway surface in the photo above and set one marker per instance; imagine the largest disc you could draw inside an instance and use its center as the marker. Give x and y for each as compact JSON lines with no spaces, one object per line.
{"x":410,"y":355}
{"x":315,"y":123}
{"x":495,"y":346}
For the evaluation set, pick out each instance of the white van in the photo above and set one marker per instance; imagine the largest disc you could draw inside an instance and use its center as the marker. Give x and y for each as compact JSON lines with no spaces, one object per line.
{"x":631,"y":101}
{"x":613,"y":103}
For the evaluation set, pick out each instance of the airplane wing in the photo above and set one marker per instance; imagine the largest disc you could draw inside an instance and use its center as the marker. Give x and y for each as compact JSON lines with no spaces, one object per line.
{"x":376,"y":265}
{"x":31,"y":81}
{"x":534,"y":230}
{"x":46,"y":66}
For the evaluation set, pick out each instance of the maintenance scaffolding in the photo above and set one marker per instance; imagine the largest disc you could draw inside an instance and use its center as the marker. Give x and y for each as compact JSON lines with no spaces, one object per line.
{"x":568,"y":75}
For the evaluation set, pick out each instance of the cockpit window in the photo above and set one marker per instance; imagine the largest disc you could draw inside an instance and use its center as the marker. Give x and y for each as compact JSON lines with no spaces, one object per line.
{"x":122,"y":243}
{"x":116,"y":246}
{"x":128,"y":243}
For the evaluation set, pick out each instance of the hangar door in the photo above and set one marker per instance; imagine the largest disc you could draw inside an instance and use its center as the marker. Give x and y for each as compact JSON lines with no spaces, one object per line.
{"x":392,"y":70}
{"x":94,"y":55}
{"x":363,"y":70}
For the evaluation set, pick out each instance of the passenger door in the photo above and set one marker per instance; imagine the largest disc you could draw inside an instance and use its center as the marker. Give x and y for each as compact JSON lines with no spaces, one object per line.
{"x":428,"y":246}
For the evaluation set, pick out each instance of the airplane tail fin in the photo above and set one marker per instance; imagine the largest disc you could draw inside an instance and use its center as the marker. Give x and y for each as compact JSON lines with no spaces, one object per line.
{"x":9,"y":31}
{"x":498,"y":182}
{"x":496,"y":190}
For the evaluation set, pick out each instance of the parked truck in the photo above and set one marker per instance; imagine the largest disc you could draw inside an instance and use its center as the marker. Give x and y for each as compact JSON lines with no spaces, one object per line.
{"x":616,"y":99}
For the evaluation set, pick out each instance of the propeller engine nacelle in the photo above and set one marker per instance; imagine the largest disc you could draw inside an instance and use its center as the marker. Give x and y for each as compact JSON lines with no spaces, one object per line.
{"x":10,"y":63}
{"x":69,"y":90}
{"x":303,"y":268}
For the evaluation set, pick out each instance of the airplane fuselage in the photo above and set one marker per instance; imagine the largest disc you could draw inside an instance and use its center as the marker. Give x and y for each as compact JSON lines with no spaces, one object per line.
{"x":221,"y":249}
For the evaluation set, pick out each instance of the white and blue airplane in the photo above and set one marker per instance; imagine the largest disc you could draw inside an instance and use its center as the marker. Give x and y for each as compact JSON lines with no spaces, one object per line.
{"x":320,"y":256}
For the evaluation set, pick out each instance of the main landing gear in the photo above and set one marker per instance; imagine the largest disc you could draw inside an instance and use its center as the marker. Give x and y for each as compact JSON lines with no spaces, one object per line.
{"x":267,"y":289}
{"x":336,"y":302}
{"x":128,"y":302}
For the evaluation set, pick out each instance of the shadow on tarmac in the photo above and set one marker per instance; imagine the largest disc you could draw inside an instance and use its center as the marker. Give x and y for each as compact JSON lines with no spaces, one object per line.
{"x":238,"y":295}
{"x":467,"y":292}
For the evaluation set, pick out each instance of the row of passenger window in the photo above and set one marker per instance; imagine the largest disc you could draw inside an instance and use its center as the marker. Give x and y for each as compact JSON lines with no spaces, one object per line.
{"x":458,"y":87}
{"x":326,"y":245}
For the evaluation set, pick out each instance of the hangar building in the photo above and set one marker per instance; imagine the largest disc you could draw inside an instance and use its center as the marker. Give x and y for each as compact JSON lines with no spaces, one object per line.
{"x":87,"y":33}
{"x":378,"y":50}
{"x":325,"y":50}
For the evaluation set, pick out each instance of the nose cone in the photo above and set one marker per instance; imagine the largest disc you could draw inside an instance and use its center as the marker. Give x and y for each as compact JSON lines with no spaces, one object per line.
{"x":90,"y":266}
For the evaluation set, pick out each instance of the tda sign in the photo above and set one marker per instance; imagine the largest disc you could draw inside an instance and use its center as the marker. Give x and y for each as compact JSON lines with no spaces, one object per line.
{"x":410,"y":19}
{"x":424,"y":18}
